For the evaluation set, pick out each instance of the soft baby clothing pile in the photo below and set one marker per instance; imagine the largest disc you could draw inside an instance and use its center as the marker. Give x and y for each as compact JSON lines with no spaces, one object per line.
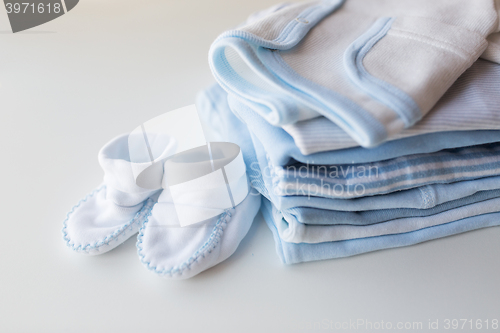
{"x":364,"y":124}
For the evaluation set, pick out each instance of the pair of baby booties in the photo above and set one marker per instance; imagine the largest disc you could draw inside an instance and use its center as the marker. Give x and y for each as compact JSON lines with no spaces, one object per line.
{"x":119,"y":209}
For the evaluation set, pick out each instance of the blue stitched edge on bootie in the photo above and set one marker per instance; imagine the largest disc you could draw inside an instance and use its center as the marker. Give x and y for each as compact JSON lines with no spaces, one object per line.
{"x":207,"y":248}
{"x":148,"y":205}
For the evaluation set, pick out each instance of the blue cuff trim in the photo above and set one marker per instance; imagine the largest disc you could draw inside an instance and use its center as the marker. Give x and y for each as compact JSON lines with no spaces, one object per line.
{"x":294,"y":31}
{"x":348,"y":115}
{"x":393,"y":97}
{"x":257,"y":54}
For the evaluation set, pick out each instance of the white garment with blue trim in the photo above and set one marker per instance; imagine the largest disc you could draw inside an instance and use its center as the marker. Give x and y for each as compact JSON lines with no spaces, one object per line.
{"x":372,"y":67}
{"x":472,"y":103}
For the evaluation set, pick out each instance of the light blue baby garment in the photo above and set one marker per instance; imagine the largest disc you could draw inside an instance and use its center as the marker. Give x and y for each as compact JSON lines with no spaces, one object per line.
{"x":294,"y":232}
{"x":424,"y":197}
{"x":291,"y":253}
{"x":360,"y":180}
{"x":283,"y":151}
{"x":314,"y":216}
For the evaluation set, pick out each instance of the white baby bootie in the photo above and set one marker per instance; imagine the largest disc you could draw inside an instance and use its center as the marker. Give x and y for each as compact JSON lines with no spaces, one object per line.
{"x":113,"y":212}
{"x":172,"y":251}
{"x":202,"y":214}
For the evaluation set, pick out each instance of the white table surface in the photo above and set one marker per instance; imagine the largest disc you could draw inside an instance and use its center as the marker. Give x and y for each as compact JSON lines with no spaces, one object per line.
{"x":69,"y":86}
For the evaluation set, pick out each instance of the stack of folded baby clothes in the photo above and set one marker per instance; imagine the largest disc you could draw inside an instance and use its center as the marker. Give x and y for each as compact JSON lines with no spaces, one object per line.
{"x":365,"y":124}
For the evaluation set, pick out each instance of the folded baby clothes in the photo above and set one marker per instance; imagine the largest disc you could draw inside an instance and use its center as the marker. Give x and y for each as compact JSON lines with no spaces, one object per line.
{"x":282,"y":150}
{"x":310,"y":83}
{"x":294,"y":232}
{"x":429,"y":200}
{"x":215,"y":112}
{"x":301,"y":218}
{"x":424,"y":197}
{"x":315,"y":216}
{"x":367,"y":179}
{"x":291,"y":253}
{"x":470,"y":104}
{"x":353,"y":62}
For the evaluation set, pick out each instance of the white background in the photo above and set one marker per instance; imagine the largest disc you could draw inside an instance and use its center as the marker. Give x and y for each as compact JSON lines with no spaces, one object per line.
{"x":69,"y":86}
